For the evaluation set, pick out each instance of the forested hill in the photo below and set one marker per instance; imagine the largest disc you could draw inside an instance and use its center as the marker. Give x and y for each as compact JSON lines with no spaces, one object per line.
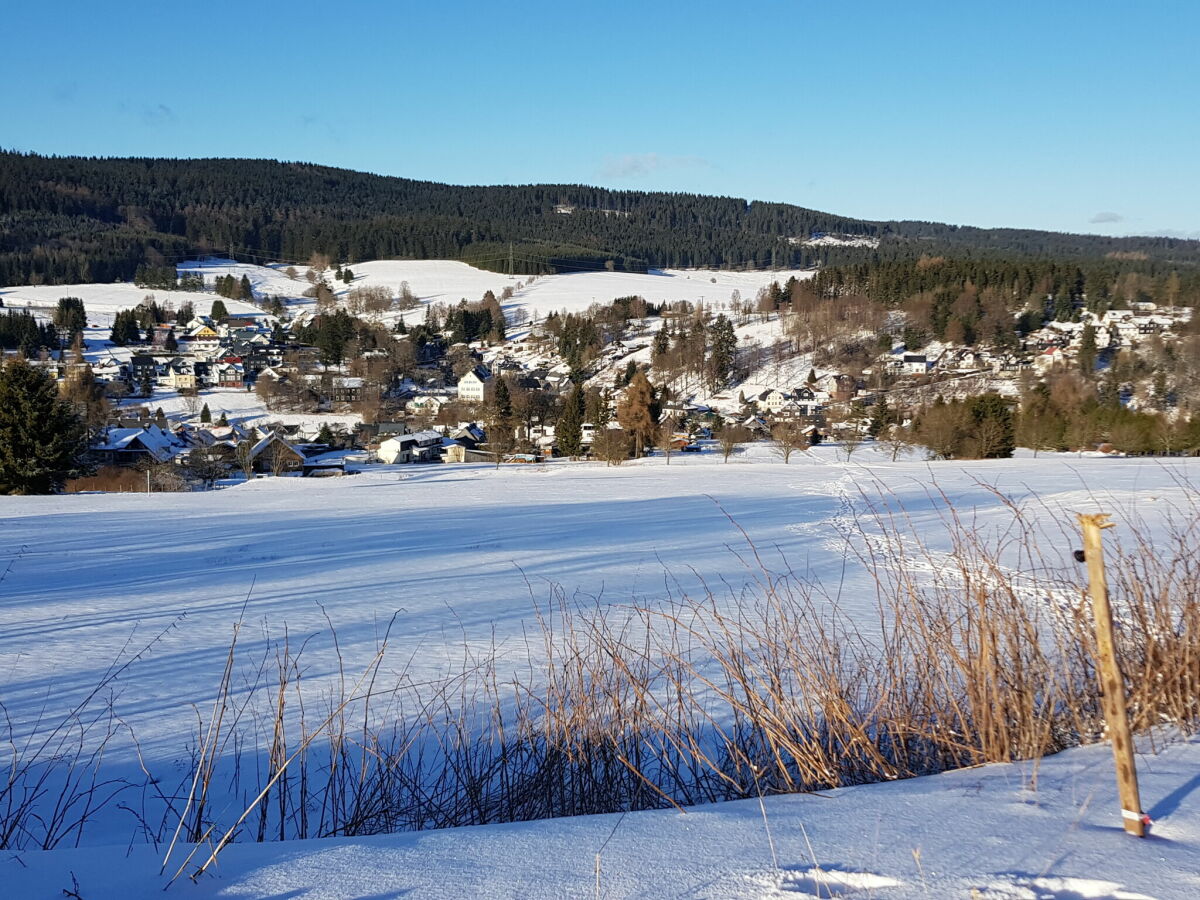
{"x":75,"y":219}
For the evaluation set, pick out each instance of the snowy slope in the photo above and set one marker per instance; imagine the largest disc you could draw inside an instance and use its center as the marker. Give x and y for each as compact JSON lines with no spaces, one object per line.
{"x":103,"y":301}
{"x":433,"y":281}
{"x":976,"y":834}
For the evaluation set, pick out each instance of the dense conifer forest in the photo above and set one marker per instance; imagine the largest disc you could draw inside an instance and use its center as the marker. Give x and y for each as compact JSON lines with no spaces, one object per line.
{"x":75,"y":219}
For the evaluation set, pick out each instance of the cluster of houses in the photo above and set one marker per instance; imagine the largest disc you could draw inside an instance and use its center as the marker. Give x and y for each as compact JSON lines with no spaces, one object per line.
{"x":235,"y":352}
{"x":230,"y":353}
{"x":1058,"y":343}
{"x":282,"y":449}
{"x":266,"y":449}
{"x":1053,"y":345}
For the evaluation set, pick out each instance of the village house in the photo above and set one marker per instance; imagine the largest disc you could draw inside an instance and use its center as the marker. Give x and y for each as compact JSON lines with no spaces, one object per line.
{"x":346,"y":390}
{"x":472,"y":387}
{"x":229,"y":375}
{"x":423,"y":446}
{"x":129,"y":446}
{"x":771,"y":401}
{"x":273,"y":453}
{"x":426,"y":404}
{"x":180,"y":374}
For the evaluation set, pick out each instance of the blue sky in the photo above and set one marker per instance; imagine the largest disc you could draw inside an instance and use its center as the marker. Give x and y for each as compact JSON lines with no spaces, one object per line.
{"x":1070,"y":116}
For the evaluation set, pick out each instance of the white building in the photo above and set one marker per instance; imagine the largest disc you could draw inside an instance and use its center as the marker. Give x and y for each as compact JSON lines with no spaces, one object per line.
{"x":472,"y":387}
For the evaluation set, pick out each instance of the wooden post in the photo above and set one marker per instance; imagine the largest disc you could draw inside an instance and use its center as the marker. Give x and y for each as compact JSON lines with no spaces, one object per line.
{"x":1112,"y":684}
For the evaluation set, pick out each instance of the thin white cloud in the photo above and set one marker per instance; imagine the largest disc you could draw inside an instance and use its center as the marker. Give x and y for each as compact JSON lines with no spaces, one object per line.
{"x":636,"y":165}
{"x":1106,"y":217}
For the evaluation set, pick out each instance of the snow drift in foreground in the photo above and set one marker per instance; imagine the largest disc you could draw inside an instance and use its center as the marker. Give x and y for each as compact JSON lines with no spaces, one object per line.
{"x":1004,"y":832}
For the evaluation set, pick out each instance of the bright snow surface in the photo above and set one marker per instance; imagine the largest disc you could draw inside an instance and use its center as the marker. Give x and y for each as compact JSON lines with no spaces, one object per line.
{"x":462,"y":554}
{"x":431,"y":280}
{"x":976,"y":834}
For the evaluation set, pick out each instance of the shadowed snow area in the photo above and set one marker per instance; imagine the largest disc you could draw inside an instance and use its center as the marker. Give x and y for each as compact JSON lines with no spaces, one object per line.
{"x":463,"y":555}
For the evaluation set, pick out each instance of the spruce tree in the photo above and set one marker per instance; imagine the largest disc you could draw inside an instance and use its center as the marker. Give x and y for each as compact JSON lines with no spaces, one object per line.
{"x":503,"y":401}
{"x":1087,"y":350}
{"x":218,"y":310}
{"x":723,"y":353}
{"x":881,"y":417}
{"x":42,"y":440}
{"x":568,"y":433}
{"x":205,"y":415}
{"x":69,"y":316}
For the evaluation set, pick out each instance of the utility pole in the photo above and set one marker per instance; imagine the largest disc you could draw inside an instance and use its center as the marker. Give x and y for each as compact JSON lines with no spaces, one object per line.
{"x":1112,"y":684}
{"x":510,"y":259}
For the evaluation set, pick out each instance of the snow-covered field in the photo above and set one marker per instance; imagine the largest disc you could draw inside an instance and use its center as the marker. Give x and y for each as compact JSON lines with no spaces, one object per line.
{"x":433,"y":281}
{"x":462,"y":554}
{"x":103,"y":301}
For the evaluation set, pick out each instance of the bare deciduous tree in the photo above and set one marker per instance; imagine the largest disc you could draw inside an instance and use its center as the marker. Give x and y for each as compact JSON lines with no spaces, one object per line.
{"x":243,"y":454}
{"x":787,"y":438}
{"x":730,"y":436}
{"x":611,"y":445}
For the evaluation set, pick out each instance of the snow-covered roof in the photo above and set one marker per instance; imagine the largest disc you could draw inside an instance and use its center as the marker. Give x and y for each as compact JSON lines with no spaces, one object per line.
{"x":161,"y":445}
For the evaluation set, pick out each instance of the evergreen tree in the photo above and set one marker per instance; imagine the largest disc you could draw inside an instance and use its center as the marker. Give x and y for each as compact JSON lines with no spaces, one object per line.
{"x":661,"y":344}
{"x":245,"y":290}
{"x":503,"y":401}
{"x":224,"y":420}
{"x":630,"y":371}
{"x":42,"y":440}
{"x":69,"y":316}
{"x":125,"y":328}
{"x":596,"y":407}
{"x":325,"y":435}
{"x":1087,"y":350}
{"x":218,"y":310}
{"x":568,"y":432}
{"x":205,"y":415}
{"x":881,"y":417}
{"x":723,"y":353}
{"x":994,"y":432}
{"x":171,"y":343}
